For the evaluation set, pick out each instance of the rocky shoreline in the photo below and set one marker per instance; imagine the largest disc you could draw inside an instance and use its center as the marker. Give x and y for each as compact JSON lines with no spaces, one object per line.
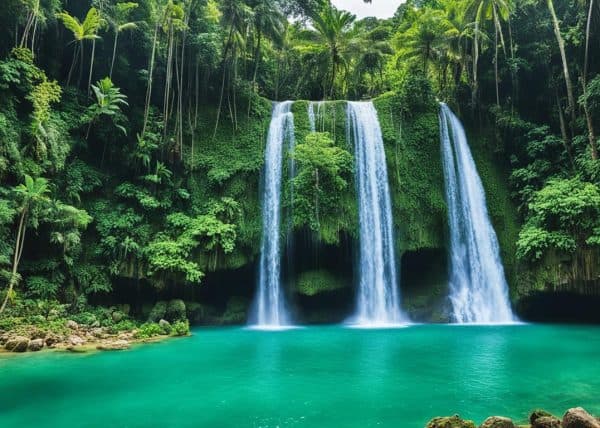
{"x":81,"y":338}
{"x":576,"y":417}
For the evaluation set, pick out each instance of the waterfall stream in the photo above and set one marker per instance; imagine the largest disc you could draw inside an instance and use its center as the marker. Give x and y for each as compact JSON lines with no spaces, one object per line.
{"x":378,"y":300}
{"x":478,"y":288}
{"x":270,"y":306}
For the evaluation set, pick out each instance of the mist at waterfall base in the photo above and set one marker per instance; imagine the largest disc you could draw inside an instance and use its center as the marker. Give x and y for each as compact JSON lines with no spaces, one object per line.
{"x":478,"y":287}
{"x":270,"y":308}
{"x":378,"y":297}
{"x":310,"y":378}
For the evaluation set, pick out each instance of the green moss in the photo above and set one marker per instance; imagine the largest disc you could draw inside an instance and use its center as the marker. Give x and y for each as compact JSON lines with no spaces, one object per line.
{"x":229,"y":165}
{"x":315,"y":282}
{"x":415,"y":173}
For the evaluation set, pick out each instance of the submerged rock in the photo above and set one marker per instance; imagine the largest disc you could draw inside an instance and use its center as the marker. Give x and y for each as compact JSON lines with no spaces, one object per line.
{"x":577,"y":417}
{"x":497,"y":422}
{"x":17,"y":344}
{"x":117,"y":345}
{"x":546,"y":422}
{"x":36,"y":345}
{"x":450,"y":422}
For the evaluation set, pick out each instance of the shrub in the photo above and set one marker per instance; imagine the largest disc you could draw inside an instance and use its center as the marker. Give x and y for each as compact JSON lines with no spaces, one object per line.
{"x":123,"y":325}
{"x":175,"y":310}
{"x":148,"y":330}
{"x":158,"y":312}
{"x":180,"y":328}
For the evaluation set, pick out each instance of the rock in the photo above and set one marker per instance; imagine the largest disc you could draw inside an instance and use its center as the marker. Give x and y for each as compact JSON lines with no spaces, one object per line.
{"x":117,"y":316}
{"x":72,"y":325}
{"x":117,"y":345}
{"x":164,"y":324}
{"x":95,"y":324}
{"x":36,"y":345}
{"x":17,"y":344}
{"x":158,"y":311}
{"x":546,"y":422}
{"x":497,"y":422}
{"x":450,"y":422}
{"x":98,"y":332}
{"x":538,"y":413}
{"x":75,"y":340}
{"x":578,"y":418}
{"x":175,"y":310}
{"x":51,"y":340}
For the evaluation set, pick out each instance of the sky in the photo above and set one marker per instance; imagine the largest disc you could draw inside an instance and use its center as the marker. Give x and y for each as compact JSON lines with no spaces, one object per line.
{"x":378,"y":8}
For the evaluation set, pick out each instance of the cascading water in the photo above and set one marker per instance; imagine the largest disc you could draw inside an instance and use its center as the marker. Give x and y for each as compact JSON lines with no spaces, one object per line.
{"x":314,"y":115}
{"x":270,"y":306}
{"x":378,"y":302}
{"x":478,"y":288}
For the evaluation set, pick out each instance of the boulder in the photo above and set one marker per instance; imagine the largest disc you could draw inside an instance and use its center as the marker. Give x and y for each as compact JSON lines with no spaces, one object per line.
{"x":72,"y":325}
{"x":17,"y":344}
{"x":538,"y":413}
{"x":36,"y":345}
{"x":450,"y":422}
{"x":497,"y":422}
{"x":546,"y":422}
{"x":117,"y":316}
{"x":116,"y":345}
{"x":51,"y":340}
{"x":577,"y":417}
{"x":165,"y":325}
{"x":75,"y":340}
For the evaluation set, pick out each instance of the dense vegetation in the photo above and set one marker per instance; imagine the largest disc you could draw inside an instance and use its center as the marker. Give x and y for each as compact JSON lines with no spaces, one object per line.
{"x":132,"y":135}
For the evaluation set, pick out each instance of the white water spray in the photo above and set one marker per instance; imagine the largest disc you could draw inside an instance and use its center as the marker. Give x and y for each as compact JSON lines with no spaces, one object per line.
{"x":270,"y":306}
{"x":478,"y":288}
{"x":378,"y":301}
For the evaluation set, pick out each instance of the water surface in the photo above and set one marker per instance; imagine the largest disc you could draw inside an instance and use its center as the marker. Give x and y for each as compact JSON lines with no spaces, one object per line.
{"x":310,"y":377}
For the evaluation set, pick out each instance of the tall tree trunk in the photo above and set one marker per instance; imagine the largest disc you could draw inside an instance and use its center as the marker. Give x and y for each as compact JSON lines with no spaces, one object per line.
{"x":563,"y":131}
{"x":563,"y":54}
{"x":475,"y":88}
{"x":112,"y":62}
{"x":73,"y":63}
{"x":150,"y":73}
{"x":89,"y":87}
{"x":223,"y":64}
{"x":588,"y":117}
{"x":256,"y":63}
{"x":16,"y":257}
{"x":496,"y":23}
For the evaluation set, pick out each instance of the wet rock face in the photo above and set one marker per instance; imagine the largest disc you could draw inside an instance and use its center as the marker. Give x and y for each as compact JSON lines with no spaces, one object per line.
{"x":578,"y":418}
{"x":497,"y":422}
{"x":17,"y":344}
{"x":450,"y":422}
{"x":546,"y":422}
{"x":36,"y":345}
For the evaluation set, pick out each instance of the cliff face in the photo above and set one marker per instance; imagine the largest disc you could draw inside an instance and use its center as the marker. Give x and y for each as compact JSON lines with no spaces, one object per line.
{"x":321,"y":277}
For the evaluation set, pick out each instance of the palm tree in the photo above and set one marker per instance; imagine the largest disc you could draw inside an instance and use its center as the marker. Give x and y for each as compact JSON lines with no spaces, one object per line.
{"x":235,"y":15}
{"x":86,"y":30}
{"x":428,"y":32}
{"x":32,"y":193}
{"x":482,"y":11}
{"x":563,"y":55}
{"x":268,"y":20}
{"x":119,"y":23}
{"x":332,"y":31}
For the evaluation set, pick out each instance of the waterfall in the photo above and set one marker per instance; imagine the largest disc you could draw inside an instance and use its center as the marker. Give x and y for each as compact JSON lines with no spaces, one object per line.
{"x":378,"y":300}
{"x":478,"y":288}
{"x":312,"y":115}
{"x":270,"y":303}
